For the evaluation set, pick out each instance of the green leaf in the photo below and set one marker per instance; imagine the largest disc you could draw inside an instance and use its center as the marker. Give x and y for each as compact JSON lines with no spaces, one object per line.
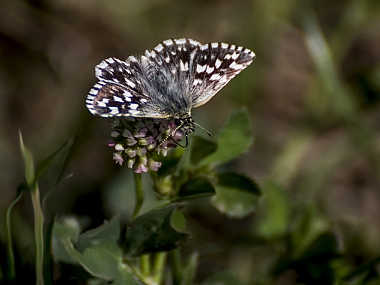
{"x":274,"y":214}
{"x":308,"y":227}
{"x":197,"y":187}
{"x":153,"y":232}
{"x":104,"y":260}
{"x":100,"y":260}
{"x":63,"y":233}
{"x":178,"y":220}
{"x":201,"y":148}
{"x":233,"y":139}
{"x":236,"y":195}
{"x":109,"y":231}
{"x":29,"y":163}
{"x":99,"y":253}
{"x":222,"y":278}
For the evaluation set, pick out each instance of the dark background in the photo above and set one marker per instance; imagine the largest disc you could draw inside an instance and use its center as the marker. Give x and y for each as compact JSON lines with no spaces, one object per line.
{"x":313,"y":95}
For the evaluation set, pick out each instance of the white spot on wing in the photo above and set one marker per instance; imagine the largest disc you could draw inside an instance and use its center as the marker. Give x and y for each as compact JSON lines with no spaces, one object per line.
{"x":133,"y":106}
{"x":130,"y":83}
{"x":215,"y":76}
{"x":197,"y":82}
{"x":235,"y":55}
{"x":118,"y":99}
{"x":218,"y":63}
{"x":134,"y":112}
{"x":168,"y":42}
{"x":201,"y":68}
{"x":159,"y":48}
{"x":93,"y":91}
{"x":184,"y":66}
{"x":236,"y":66}
{"x":209,"y":69}
{"x":180,"y":41}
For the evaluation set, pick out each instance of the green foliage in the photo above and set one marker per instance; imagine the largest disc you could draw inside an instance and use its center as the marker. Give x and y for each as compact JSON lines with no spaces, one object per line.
{"x":96,"y":251}
{"x":234,"y":138}
{"x":236,"y":195}
{"x":153,"y":232}
{"x":274,"y":216}
{"x":195,"y":175}
{"x":184,"y":176}
{"x":222,"y":278}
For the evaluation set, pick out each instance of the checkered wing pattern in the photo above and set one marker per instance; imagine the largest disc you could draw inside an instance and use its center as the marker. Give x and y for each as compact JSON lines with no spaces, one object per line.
{"x":168,"y":81}
{"x":214,"y":65}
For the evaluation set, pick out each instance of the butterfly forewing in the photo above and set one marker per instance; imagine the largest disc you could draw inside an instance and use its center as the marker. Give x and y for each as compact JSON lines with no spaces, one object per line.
{"x":214,"y":66}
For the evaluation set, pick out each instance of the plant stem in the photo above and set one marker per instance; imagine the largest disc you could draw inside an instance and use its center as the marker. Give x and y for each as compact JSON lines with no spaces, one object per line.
{"x":158,"y":268}
{"x":145,"y":265}
{"x":139,"y":194}
{"x":38,"y":234}
{"x":10,"y":258}
{"x":176,"y":266}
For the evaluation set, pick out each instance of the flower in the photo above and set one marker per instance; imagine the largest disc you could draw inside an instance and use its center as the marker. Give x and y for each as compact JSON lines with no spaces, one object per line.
{"x":135,"y":140}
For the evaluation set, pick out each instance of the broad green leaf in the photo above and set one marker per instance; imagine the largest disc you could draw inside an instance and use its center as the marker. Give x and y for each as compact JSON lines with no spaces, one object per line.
{"x":109,"y":231}
{"x":233,"y":139}
{"x":236,"y":195}
{"x":274,"y":214}
{"x":100,"y":260}
{"x":178,"y":220}
{"x":197,"y":187}
{"x":201,"y":148}
{"x":104,"y":260}
{"x":63,"y":233}
{"x":222,"y":278}
{"x":153,"y":232}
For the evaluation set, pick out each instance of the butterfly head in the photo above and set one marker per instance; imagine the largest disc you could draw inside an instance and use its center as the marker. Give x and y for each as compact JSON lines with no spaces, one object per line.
{"x":185,"y":123}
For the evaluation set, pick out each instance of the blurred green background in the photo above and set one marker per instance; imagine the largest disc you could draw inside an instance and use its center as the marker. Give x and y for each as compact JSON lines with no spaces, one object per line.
{"x":313,"y":94}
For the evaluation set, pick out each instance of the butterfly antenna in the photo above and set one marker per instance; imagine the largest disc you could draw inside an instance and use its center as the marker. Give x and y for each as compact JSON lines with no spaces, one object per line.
{"x":210,"y":134}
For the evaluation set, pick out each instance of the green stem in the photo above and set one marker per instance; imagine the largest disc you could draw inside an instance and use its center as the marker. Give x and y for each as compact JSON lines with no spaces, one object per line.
{"x":158,"y":268}
{"x":139,"y":194}
{"x":176,"y":266}
{"x":145,"y":265}
{"x":365,"y":267}
{"x":38,"y":234}
{"x":11,"y":273}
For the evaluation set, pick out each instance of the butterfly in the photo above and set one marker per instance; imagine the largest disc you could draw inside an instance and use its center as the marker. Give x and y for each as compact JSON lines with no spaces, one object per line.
{"x":166,"y":82}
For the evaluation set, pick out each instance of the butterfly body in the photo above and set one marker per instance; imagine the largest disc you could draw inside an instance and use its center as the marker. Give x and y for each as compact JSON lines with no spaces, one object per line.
{"x":166,"y":82}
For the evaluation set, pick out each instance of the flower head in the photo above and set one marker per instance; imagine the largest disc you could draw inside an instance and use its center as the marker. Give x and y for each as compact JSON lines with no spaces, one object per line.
{"x":136,"y":140}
